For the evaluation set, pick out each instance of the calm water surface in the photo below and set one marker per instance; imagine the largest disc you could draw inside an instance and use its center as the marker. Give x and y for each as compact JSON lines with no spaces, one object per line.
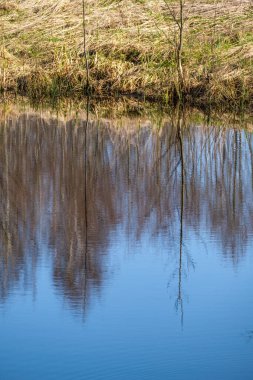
{"x":125,"y":248}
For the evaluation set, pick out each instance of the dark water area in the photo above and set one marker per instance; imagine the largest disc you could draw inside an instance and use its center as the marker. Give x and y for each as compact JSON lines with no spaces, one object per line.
{"x":126,"y":247}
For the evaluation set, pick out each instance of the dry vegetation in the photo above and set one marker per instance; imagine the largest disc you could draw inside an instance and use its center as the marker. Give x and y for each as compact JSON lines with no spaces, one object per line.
{"x":131,"y":49}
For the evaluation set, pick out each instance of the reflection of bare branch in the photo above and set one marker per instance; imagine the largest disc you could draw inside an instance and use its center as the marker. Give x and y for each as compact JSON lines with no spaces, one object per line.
{"x":71,"y":183}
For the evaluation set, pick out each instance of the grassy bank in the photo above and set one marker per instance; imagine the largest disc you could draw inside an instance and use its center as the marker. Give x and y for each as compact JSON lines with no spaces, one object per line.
{"x":131,"y":49}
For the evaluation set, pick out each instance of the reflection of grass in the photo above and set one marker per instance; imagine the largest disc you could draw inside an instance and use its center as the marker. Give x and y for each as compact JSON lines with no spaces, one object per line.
{"x":130,"y":50}
{"x":126,"y":111}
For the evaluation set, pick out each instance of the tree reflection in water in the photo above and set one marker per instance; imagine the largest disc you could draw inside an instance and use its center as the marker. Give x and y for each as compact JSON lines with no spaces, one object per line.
{"x":68,"y":185}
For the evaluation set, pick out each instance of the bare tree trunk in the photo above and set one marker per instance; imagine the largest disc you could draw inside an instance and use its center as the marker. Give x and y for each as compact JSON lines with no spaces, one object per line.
{"x":179,"y":19}
{"x":2,"y":60}
{"x":180,"y":48}
{"x":85,"y":54}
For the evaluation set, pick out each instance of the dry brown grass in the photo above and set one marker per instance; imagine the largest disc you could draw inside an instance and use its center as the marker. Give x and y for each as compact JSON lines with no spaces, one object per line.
{"x":131,"y":48}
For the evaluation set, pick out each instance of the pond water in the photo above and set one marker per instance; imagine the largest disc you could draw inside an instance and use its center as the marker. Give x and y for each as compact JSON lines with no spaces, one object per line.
{"x":125,"y":246}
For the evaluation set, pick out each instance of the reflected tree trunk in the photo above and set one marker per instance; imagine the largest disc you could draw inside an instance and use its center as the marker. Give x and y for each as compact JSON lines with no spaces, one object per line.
{"x":181,"y":151}
{"x":85,"y":181}
{"x":85,"y":201}
{"x":235,"y":172}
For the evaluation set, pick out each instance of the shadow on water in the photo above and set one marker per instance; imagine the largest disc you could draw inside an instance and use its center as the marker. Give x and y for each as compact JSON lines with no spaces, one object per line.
{"x":68,"y":185}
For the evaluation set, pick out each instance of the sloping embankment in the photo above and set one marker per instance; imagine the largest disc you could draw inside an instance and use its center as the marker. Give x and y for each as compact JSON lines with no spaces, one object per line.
{"x":131,"y":48}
